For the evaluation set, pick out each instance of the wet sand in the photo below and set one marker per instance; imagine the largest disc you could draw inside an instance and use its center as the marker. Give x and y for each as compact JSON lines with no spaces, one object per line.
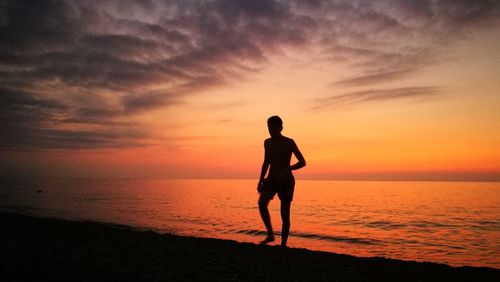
{"x":42,"y":249}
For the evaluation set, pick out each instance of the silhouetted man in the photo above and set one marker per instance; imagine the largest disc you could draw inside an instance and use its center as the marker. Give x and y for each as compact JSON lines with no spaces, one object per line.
{"x":278,"y":153}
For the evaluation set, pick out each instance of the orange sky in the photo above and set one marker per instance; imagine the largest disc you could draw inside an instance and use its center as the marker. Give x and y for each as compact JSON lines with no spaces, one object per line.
{"x":402,"y":92}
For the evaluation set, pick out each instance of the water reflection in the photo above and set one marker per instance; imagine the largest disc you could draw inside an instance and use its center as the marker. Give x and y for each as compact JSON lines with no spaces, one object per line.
{"x":455,"y":223}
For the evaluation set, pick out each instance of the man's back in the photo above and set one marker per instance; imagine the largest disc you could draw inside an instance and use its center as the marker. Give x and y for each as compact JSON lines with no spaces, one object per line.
{"x":279,"y":152}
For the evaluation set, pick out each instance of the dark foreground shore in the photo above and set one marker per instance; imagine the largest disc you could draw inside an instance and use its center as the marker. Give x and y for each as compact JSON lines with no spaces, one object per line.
{"x":39,"y":249}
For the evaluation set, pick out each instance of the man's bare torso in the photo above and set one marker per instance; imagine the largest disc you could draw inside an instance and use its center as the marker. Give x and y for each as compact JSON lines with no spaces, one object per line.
{"x":279,"y":153}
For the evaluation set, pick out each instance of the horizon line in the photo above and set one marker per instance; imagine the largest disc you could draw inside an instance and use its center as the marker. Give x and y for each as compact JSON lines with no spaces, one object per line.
{"x":492,"y":180}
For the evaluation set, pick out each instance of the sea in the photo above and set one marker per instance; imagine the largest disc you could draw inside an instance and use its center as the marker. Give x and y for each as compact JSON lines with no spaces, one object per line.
{"x":457,"y":223}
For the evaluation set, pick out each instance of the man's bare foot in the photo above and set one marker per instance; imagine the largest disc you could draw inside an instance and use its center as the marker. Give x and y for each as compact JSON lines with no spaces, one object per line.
{"x":269,"y":239}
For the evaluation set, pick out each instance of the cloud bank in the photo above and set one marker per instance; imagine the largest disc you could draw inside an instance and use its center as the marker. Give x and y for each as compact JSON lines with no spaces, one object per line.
{"x":76,"y":74}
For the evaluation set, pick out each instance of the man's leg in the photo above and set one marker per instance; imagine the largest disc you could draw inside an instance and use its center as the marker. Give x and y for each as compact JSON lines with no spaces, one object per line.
{"x":266,"y":218}
{"x":285,"y":218}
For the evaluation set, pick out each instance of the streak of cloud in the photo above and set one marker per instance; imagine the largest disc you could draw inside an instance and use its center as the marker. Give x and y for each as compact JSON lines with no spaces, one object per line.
{"x":377,"y":95}
{"x":375,"y":78}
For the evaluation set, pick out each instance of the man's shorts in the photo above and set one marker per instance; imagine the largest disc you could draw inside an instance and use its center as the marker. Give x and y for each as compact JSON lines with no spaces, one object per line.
{"x":282,"y":186}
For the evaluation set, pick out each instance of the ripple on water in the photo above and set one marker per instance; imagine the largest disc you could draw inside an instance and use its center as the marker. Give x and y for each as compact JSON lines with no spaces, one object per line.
{"x":350,"y":240}
{"x":385,"y":225}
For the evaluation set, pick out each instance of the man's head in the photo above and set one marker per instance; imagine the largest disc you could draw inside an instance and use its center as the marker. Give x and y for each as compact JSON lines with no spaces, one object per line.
{"x":274,"y":125}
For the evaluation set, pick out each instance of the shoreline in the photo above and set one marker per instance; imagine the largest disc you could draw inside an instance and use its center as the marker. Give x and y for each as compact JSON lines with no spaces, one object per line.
{"x":49,"y":249}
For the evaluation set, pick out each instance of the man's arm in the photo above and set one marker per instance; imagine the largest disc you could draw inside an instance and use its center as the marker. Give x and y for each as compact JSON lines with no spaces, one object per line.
{"x":265,"y":166}
{"x":301,"y":161}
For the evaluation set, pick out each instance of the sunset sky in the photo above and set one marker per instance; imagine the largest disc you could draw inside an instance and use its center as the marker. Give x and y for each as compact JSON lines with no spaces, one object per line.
{"x":396,"y":89}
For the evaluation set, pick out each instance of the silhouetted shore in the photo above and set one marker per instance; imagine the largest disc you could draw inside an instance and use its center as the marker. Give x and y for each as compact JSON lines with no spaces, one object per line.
{"x":40,"y":249}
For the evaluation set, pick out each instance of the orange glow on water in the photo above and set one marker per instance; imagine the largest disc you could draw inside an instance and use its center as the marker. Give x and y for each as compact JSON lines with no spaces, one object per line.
{"x":448,"y":222}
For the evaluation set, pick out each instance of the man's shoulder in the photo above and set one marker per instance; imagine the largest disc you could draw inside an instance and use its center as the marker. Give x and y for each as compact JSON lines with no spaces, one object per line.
{"x":286,"y":139}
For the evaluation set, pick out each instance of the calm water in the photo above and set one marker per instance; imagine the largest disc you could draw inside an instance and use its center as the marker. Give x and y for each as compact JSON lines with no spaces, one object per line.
{"x":449,"y":222}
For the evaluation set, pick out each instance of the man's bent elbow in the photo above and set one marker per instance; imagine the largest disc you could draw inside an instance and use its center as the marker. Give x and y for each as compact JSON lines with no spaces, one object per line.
{"x":302,"y":163}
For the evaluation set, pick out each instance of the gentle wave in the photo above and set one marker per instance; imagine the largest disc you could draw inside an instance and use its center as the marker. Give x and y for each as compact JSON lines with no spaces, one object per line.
{"x":350,"y":240}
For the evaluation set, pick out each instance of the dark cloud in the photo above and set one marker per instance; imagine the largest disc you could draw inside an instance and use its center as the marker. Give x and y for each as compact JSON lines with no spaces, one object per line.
{"x":72,"y":71}
{"x":380,"y":37}
{"x":145,"y":101}
{"x":30,"y":123}
{"x":378,"y":95}
{"x":144,"y":54}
